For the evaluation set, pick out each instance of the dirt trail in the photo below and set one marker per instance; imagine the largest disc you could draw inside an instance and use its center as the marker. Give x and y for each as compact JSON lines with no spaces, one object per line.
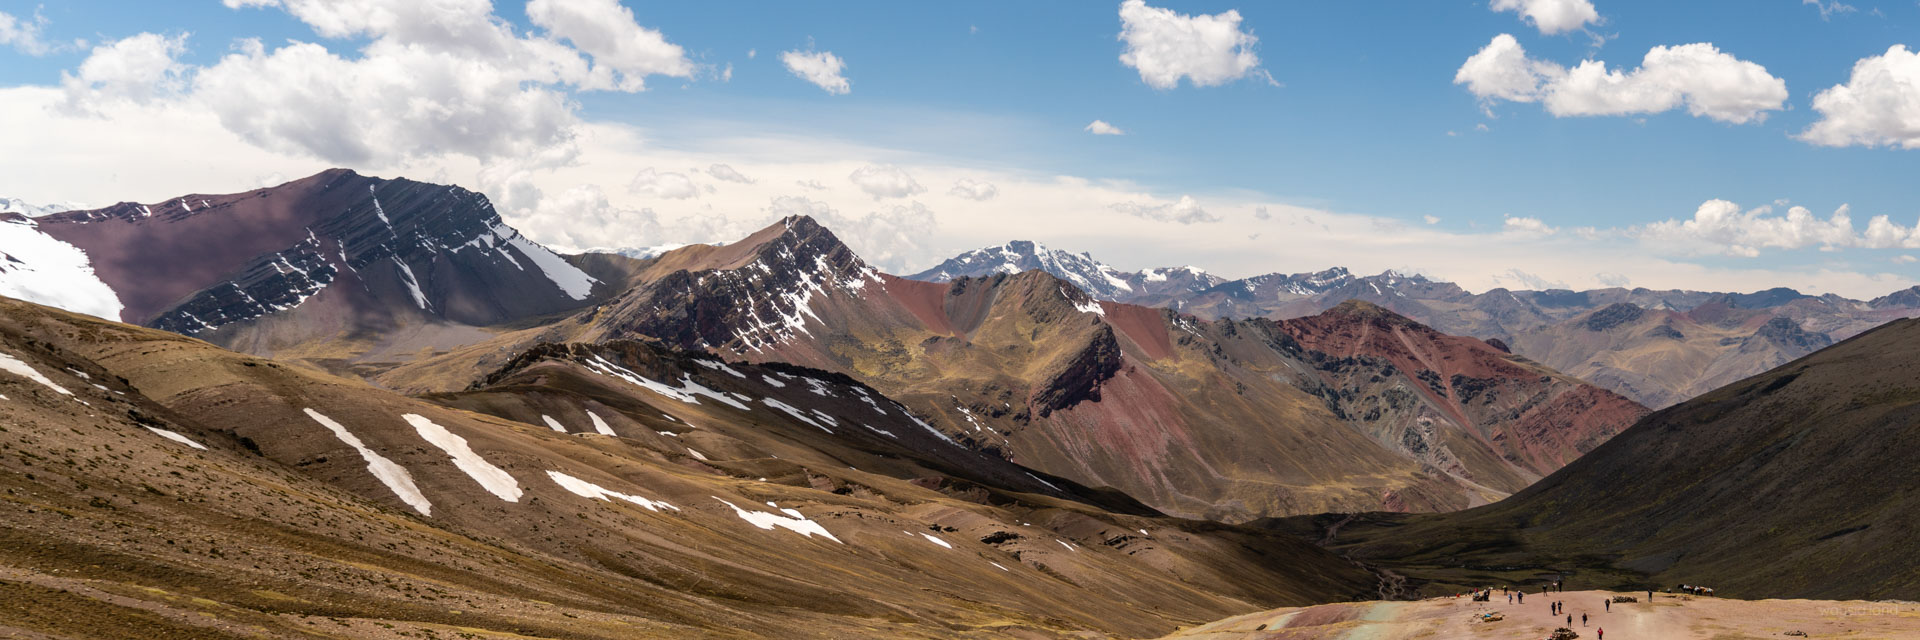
{"x":1668,"y":617}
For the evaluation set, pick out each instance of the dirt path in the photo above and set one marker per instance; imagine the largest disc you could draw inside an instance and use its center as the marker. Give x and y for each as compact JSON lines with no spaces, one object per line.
{"x":1666,"y":618}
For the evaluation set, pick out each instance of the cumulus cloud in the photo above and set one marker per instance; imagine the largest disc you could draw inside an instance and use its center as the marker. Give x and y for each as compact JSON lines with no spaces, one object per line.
{"x":663,"y":184}
{"x":24,"y":35}
{"x":139,"y":70}
{"x":885,"y":181}
{"x":1612,"y":279}
{"x":1905,"y":259}
{"x":1431,"y":219}
{"x":972,"y":189}
{"x":1552,"y":16}
{"x":1101,"y":128}
{"x":1186,"y":210}
{"x":1721,"y":227}
{"x":725,"y":172}
{"x":624,"y":53}
{"x":1878,"y":106}
{"x":1528,"y":226}
{"x":1164,"y":46}
{"x":1707,"y":81}
{"x":821,"y":68}
{"x":435,"y":78}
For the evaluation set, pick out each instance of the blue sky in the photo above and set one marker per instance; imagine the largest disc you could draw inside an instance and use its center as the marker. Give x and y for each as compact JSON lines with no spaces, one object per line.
{"x":1363,"y":119}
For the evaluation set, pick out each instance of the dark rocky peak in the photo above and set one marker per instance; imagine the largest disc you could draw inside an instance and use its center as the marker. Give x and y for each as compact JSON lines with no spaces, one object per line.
{"x":1762,"y":299}
{"x":1789,"y":336}
{"x":1908,"y":298}
{"x":1361,"y":311}
{"x":747,"y":296}
{"x":1614,"y":315}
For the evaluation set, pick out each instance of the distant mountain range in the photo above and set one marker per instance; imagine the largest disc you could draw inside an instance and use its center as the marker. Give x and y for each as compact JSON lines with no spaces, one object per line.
{"x":1712,"y":338}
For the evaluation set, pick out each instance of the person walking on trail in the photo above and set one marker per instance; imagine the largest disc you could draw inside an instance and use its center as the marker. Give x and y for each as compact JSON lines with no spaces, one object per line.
{"x":1609,"y":602}
{"x":1569,"y":619}
{"x":1601,"y":634}
{"x":1583,"y":619}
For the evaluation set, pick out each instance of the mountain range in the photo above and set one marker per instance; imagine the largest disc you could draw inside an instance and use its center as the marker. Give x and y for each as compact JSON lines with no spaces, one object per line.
{"x":369,"y":407}
{"x":1612,"y":337}
{"x":1782,"y":485}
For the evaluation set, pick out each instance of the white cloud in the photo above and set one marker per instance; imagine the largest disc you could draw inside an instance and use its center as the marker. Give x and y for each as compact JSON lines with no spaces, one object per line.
{"x":726,"y":172}
{"x":1708,"y":82}
{"x":821,"y":68}
{"x":1551,"y":16}
{"x":1721,"y":227}
{"x":1101,"y":128}
{"x":139,"y":69}
{"x":1501,"y":70}
{"x":1186,"y":210}
{"x":1431,"y":219}
{"x":662,"y":184}
{"x":885,"y":181}
{"x":1517,"y":279}
{"x":1527,"y":226}
{"x":24,"y":35}
{"x":1878,"y":106}
{"x":1905,"y":259}
{"x":1830,"y":7}
{"x":621,"y":48}
{"x":1164,"y":46}
{"x":971,"y":189}
{"x":813,"y":185}
{"x":435,"y":78}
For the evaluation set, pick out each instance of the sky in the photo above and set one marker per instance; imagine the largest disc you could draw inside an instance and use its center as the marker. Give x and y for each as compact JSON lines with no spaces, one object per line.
{"x":1734,"y":146}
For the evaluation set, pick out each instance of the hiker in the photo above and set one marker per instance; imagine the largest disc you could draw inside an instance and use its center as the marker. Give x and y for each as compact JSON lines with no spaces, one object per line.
{"x":1583,"y":619}
{"x":1509,"y":598}
{"x":1601,"y":634}
{"x":1609,"y":602}
{"x":1569,"y":620}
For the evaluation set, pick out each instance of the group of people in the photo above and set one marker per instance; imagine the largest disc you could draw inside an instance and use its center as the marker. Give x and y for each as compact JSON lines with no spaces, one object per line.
{"x":1516,"y":596}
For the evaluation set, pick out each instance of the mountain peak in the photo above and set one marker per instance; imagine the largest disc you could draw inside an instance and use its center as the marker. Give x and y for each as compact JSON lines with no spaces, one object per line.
{"x":1097,"y":279}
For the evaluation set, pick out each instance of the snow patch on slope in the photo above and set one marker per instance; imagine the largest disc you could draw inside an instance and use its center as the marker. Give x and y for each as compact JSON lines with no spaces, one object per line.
{"x":586,"y":489}
{"x":38,"y":268}
{"x":792,"y":521}
{"x":14,"y":366}
{"x":391,"y":474}
{"x":176,"y":437}
{"x":494,"y":479}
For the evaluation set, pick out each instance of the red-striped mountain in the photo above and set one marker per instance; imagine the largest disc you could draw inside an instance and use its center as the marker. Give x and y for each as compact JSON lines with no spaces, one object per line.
{"x":1355,"y":409}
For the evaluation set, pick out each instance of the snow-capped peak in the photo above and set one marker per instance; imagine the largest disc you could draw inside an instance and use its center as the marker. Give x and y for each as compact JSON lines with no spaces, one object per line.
{"x":1098,"y":279}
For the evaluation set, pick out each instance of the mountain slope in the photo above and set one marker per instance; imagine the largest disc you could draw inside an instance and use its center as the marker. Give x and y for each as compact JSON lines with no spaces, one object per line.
{"x":178,"y":489}
{"x":333,"y":257}
{"x":1227,"y":420}
{"x":1789,"y":484}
